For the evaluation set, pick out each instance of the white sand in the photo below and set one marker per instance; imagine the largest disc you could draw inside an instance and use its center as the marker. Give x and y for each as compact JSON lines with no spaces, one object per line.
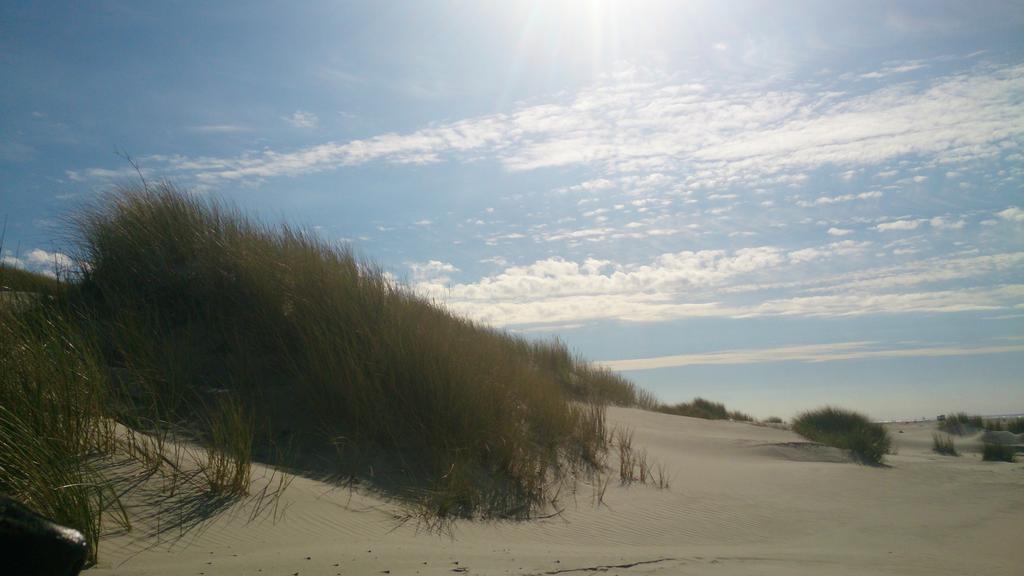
{"x":744,"y":499}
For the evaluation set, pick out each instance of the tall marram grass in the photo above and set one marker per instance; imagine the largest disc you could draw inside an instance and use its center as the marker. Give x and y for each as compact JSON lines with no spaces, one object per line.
{"x":845,"y":429}
{"x":196,"y":299}
{"x":52,"y":420}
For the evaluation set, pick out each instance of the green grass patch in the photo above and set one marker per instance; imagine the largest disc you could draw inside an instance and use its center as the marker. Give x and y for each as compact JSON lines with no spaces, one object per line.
{"x":845,"y":429}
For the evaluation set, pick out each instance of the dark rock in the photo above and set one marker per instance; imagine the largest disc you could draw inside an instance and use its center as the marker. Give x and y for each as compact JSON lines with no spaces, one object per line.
{"x":32,"y":545}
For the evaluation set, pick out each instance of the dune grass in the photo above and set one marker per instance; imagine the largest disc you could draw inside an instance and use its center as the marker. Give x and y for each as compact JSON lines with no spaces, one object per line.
{"x":996,"y":452}
{"x":943,"y":444}
{"x":190,"y":324}
{"x":52,"y":421}
{"x":191,"y":298}
{"x":701,"y":408}
{"x":845,"y":429}
{"x":18,"y":280}
{"x":961,"y":423}
{"x":1012,"y":425}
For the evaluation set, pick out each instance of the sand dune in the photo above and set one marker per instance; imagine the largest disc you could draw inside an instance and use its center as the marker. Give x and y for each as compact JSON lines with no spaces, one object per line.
{"x":743,"y":499}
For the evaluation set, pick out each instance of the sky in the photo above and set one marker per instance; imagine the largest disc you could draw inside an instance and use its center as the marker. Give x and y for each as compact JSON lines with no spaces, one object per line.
{"x":776,"y":205}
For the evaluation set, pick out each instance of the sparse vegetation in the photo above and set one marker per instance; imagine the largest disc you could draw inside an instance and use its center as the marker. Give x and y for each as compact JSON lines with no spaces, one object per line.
{"x":962,"y":423}
{"x":845,"y":429}
{"x":997,"y":452}
{"x":774,"y":420}
{"x":634,"y":466}
{"x":701,"y":408}
{"x":1012,"y":425}
{"x":943,"y":444}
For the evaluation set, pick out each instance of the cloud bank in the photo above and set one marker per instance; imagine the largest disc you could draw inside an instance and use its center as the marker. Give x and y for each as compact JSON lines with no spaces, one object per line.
{"x":806,"y":353}
{"x":646,"y":121}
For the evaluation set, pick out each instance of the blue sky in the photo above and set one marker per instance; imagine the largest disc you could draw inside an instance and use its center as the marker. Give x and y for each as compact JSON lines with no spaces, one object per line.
{"x":772,"y":204}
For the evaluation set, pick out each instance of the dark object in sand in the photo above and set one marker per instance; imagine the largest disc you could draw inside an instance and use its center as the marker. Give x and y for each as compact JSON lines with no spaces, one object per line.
{"x":32,"y":545}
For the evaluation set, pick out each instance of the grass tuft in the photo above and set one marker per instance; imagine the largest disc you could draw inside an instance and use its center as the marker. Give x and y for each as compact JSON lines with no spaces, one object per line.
{"x":996,"y":452}
{"x":845,"y":429}
{"x":943,"y":444}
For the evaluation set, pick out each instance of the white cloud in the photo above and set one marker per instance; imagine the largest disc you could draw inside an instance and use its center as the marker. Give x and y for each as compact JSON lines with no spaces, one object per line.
{"x":41,"y":258}
{"x":433,"y":271}
{"x":302,"y":119}
{"x":839,"y":231}
{"x":899,"y":68}
{"x":736,"y":284}
{"x":805,"y":353}
{"x":588,"y":186}
{"x":944,"y":224}
{"x":641,"y":123}
{"x":824,"y":200}
{"x":842,"y":248}
{"x":12,"y":261}
{"x":898,"y":225}
{"x":1012,"y":214}
{"x":218,"y":128}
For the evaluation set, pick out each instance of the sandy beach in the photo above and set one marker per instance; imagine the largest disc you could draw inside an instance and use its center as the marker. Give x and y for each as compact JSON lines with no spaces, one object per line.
{"x":743,"y":499}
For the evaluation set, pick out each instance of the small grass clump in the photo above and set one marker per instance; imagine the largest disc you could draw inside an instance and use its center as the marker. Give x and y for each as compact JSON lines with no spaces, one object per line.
{"x":943,"y":444}
{"x":997,"y":452}
{"x":845,"y":429}
{"x":228,"y":463}
{"x":774,"y":420}
{"x":634,"y":466}
{"x":701,"y":408}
